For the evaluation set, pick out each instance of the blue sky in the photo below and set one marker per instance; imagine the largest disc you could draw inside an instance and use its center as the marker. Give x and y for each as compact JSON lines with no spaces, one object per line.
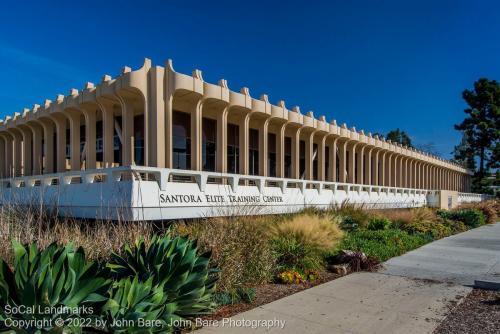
{"x":377,"y":65}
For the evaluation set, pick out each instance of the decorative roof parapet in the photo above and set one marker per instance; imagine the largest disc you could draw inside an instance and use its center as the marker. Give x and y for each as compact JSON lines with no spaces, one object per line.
{"x":198,"y":87}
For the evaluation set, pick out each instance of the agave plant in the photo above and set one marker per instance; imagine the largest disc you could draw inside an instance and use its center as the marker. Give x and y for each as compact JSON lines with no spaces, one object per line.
{"x":55,"y":278}
{"x":173,"y":264}
{"x":139,"y":307}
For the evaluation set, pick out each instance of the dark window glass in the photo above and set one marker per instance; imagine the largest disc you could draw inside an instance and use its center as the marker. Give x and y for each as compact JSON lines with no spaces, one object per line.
{"x":99,"y":144}
{"x":181,"y":140}
{"x":337,"y":177}
{"x":288,"y":157}
{"x":233,"y":148}
{"x":117,"y":144}
{"x":209,"y":144}
{"x":68,"y":143}
{"x":253,"y":152}
{"x":271,"y":151}
{"x":139,"y":140}
{"x":302,"y":154}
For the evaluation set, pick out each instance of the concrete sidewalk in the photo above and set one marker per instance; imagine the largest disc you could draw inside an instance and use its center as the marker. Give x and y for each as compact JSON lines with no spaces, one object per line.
{"x":460,"y":259}
{"x":403,"y":298}
{"x":357,"y":303}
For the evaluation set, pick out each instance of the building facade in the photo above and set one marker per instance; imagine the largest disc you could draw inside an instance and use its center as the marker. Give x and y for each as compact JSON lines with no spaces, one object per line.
{"x":157,"y":117}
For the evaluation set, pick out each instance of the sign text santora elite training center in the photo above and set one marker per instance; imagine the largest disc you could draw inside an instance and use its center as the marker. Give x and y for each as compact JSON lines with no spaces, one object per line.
{"x":180,"y":198}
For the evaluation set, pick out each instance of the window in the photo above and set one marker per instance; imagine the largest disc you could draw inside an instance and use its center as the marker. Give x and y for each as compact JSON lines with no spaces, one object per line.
{"x":181,"y":140}
{"x":233,"y":148}
{"x":253,"y":152}
{"x":139,"y":140}
{"x":271,"y":151}
{"x":288,"y":157}
{"x":209,"y":144}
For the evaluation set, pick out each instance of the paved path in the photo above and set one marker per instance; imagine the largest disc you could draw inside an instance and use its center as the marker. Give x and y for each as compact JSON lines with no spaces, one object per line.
{"x":460,"y":259}
{"x":396,"y":300}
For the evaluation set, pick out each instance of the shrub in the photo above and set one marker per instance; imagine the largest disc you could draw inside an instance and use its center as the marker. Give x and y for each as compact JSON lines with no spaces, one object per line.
{"x":470,"y":217}
{"x":291,"y":277}
{"x":454,"y":225}
{"x":352,"y":216}
{"x":99,"y":238}
{"x":53,"y":277}
{"x":383,"y":244}
{"x":240,"y":295}
{"x":173,"y":264}
{"x":488,"y":208}
{"x":131,"y":299}
{"x":434,"y":228}
{"x":379,"y":224}
{"x":302,"y":242}
{"x":405,"y":216}
{"x":240,"y":249}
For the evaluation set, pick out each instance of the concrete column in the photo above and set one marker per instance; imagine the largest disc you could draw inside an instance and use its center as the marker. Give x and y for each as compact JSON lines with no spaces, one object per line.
{"x":244,"y":128}
{"x":342,"y":150}
{"x":422,"y":175}
{"x":156,"y":118}
{"x":3,"y":162}
{"x":222,"y":140}
{"x":397,"y":170}
{"x":9,"y":154}
{"x":263,"y":146}
{"x":196,"y":136}
{"x":60,"y":122}
{"x":332,"y":157}
{"x":433,"y":177}
{"x":410,"y":173}
{"x":381,"y":167}
{"x":441,"y":181}
{"x":27,"y":149}
{"x":18,"y":151}
{"x":429,"y":176}
{"x":375,"y":167}
{"x":360,"y":164}
{"x":108,"y":131}
{"x":417,"y":174}
{"x":388,"y":169}
{"x":368,"y":166}
{"x":321,"y":157}
{"x":280,"y":151}
{"x":127,"y":112}
{"x":48,"y":146}
{"x":37,"y":158}
{"x":351,"y":170}
{"x":296,"y":153}
{"x":90,"y":138}
{"x":74,"y":143}
{"x":309,"y":155}
{"x":404,"y":172}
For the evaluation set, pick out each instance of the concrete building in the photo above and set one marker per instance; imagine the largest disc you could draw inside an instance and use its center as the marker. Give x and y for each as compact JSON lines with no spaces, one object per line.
{"x":156,"y":117}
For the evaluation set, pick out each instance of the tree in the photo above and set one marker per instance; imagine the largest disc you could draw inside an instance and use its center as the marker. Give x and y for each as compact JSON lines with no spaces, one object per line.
{"x":398,"y":136}
{"x":463,"y":153}
{"x":482,"y":122}
{"x":429,"y":147}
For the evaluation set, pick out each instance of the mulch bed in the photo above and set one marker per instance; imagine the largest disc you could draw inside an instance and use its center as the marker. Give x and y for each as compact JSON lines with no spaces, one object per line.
{"x":267,"y":293}
{"x":479,"y":313}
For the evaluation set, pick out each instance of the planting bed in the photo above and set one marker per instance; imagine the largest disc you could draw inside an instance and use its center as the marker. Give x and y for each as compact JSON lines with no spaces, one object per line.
{"x":479,"y":313}
{"x":267,"y":293}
